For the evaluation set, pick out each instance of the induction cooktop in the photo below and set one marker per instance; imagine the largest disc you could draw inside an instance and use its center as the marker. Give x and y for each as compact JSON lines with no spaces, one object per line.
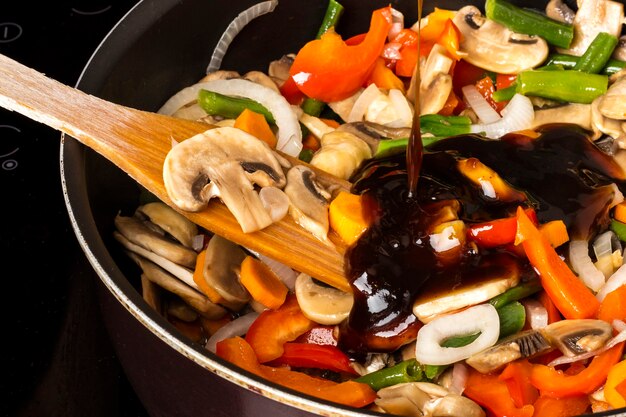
{"x":58,"y":360}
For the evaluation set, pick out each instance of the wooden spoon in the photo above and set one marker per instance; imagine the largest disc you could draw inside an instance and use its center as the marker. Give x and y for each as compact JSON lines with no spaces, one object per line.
{"x":138,"y":141}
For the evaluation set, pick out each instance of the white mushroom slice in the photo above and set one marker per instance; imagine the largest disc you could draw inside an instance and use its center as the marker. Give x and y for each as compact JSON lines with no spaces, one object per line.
{"x":425,"y":399}
{"x":231,"y":160}
{"x":577,"y":113}
{"x":559,"y":11}
{"x":474,"y":290}
{"x":309,"y":201}
{"x":136,"y":232}
{"x":321,"y":303}
{"x":601,"y":124}
{"x":373,"y":133}
{"x":341,"y":153}
{"x":275,"y":202}
{"x":613,"y":103}
{"x":168,"y":219}
{"x":151,"y":294}
{"x":435,"y":82}
{"x":316,"y":126}
{"x":262,"y":79}
{"x":575,"y":337}
{"x":163,"y":279}
{"x":221,"y":267}
{"x":279,"y":70}
{"x":177,"y":308}
{"x":593,"y":17}
{"x":494,"y":47}
{"x":344,"y":107}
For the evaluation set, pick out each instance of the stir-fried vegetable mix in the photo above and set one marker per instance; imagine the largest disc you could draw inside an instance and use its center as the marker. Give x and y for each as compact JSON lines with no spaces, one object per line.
{"x":500,"y":290}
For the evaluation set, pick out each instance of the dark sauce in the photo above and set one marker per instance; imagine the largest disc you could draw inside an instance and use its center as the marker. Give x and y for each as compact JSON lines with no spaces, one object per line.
{"x":415,"y":149}
{"x":563,"y":175}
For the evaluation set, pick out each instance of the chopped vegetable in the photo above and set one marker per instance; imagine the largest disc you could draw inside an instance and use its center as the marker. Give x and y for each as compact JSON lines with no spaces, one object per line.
{"x":512,"y":318}
{"x":230,"y":107}
{"x":255,"y":123}
{"x":517,"y":378}
{"x":546,"y":406}
{"x":619,"y":228}
{"x":553,"y":313}
{"x":492,"y":393}
{"x":613,"y":306}
{"x":516,"y":293}
{"x":406,"y":371}
{"x":597,"y":54}
{"x":569,"y":61}
{"x":569,"y":294}
{"x":620,"y":212}
{"x":498,"y":232}
{"x":615,"y":387}
{"x":559,"y":384}
{"x":384,"y":77}
{"x":555,"y":231}
{"x":262,"y":284}
{"x":349,"y":216}
{"x":309,"y":355}
{"x":331,"y":17}
{"x":567,"y":85}
{"x":198,"y":278}
{"x":529,"y":22}
{"x":329,"y":70}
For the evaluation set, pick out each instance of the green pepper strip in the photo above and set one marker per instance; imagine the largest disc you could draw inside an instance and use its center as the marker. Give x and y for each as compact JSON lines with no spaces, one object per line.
{"x":306,"y":155}
{"x":516,"y":293}
{"x":406,"y":371}
{"x":619,"y":229}
{"x":567,"y":85}
{"x":569,"y":62}
{"x":334,"y":11}
{"x":504,"y":94}
{"x":530,"y":22}
{"x":216,"y":104}
{"x":597,"y":54}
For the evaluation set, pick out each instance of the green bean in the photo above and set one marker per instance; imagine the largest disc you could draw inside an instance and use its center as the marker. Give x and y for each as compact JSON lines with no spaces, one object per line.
{"x":216,"y":104}
{"x":516,"y":293}
{"x":406,"y":371}
{"x":569,"y":62}
{"x":619,"y":229}
{"x":312,"y":107}
{"x":530,"y":22}
{"x":388,"y":147}
{"x":512,"y":318}
{"x":504,"y":94}
{"x":333,"y":13}
{"x":306,"y":155}
{"x":439,"y":125}
{"x":567,"y":85}
{"x":597,"y":54}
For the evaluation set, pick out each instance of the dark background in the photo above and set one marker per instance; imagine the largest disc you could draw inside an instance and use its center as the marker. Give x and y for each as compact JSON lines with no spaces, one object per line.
{"x":58,"y":360}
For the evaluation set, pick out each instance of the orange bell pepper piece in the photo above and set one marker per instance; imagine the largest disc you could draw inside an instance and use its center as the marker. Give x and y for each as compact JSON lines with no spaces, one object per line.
{"x":436,"y":24}
{"x":493,"y":394}
{"x":238,"y":352}
{"x":450,"y":105}
{"x":450,"y":39}
{"x":613,"y":306}
{"x":328,"y":69}
{"x":384,"y":77}
{"x":553,"y":312}
{"x":516,"y":375}
{"x":573,"y":299}
{"x":349,"y":216}
{"x":273,"y":328}
{"x":615,"y":387}
{"x":561,"y":407}
{"x":556,"y":383}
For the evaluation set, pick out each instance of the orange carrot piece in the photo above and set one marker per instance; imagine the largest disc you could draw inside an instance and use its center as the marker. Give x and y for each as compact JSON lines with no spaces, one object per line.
{"x":256,"y":125}
{"x":620,"y":212}
{"x":262,"y":283}
{"x":615,"y":387}
{"x":573,"y":299}
{"x":192,"y":330}
{"x":556,"y":232}
{"x":330,"y":122}
{"x":613,"y":306}
{"x":311,"y":142}
{"x":348,"y":216}
{"x":561,"y":407}
{"x":198,"y":278}
{"x":452,"y":102}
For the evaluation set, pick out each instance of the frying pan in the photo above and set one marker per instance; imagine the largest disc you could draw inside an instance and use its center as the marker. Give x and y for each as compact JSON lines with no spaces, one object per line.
{"x":159,"y":47}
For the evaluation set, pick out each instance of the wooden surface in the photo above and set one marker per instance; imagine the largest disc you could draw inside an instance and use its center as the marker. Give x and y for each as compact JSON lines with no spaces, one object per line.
{"x":137,"y":142}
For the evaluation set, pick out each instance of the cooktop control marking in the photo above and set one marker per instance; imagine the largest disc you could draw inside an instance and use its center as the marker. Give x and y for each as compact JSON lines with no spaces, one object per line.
{"x":9,"y":164}
{"x":9,"y":32}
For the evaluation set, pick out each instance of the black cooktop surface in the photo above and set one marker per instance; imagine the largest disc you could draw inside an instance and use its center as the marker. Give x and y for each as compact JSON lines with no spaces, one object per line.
{"x":58,"y":360}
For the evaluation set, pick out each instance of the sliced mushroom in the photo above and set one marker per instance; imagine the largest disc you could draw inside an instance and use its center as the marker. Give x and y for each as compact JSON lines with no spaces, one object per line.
{"x":220,"y":271}
{"x":182,"y":311}
{"x":373,"y":133}
{"x":417,"y":399}
{"x":435,"y":82}
{"x":261,"y":78}
{"x":558,"y":10}
{"x":193,"y":298}
{"x":576,"y":113}
{"x":151,"y":294}
{"x":494,"y":47}
{"x":619,"y":52}
{"x":593,"y":17}
{"x":340,"y":154}
{"x":574,"y":337}
{"x":309,"y":201}
{"x":138,"y":233}
{"x":321,"y":303}
{"x":275,"y":202}
{"x":344,"y":107}
{"x":229,"y":160}
{"x":172,"y":222}
{"x":613,"y":104}
{"x":521,"y":345}
{"x":279,"y":69}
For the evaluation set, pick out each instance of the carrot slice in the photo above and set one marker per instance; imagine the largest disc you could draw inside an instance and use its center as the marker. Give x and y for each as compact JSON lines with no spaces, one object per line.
{"x":620,"y":212}
{"x":348,"y":216}
{"x":613,"y":306}
{"x":262,"y":283}
{"x":198,"y":278}
{"x":256,"y":125}
{"x":556,"y":232}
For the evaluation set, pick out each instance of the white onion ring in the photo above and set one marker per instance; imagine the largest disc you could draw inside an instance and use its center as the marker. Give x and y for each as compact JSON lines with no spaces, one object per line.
{"x":234,"y":28}
{"x":460,"y":373}
{"x":392,"y":51}
{"x":362,"y":103}
{"x":402,"y":107}
{"x":614,"y":282}
{"x":397,"y":24}
{"x":582,"y":264}
{"x":517,"y":115}
{"x":289,"y":134}
{"x":479,"y":104}
{"x":237,"y":327}
{"x":482,"y":318}
{"x":536,"y":313}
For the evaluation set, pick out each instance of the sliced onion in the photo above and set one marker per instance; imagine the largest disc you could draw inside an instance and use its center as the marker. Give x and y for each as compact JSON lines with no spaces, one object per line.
{"x":460,"y":373}
{"x":618,"y":338}
{"x":289,"y":134}
{"x":481,"y":318}
{"x":237,"y":327}
{"x":362,"y":103}
{"x":582,"y":264}
{"x":392,"y":51}
{"x":517,"y":115}
{"x":614,"y":282}
{"x":287,"y":275}
{"x":536,"y":314}
{"x":234,"y":28}
{"x":397,"y":24}
{"x":402,"y":107}
{"x":479,"y":104}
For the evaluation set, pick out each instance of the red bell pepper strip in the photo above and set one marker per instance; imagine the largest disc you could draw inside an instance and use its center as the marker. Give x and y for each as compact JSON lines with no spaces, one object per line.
{"x":498,"y":232}
{"x":505,"y":80}
{"x":573,"y":299}
{"x":492,"y":393}
{"x":238,"y":352}
{"x":328,"y":69}
{"x":486,"y":88}
{"x":561,"y":407}
{"x":291,"y":92}
{"x":319,"y":335}
{"x":613,"y":306}
{"x":273,"y":328}
{"x":465,"y":74}
{"x":516,"y":375}
{"x":305,"y":355}
{"x":556,"y":383}
{"x":553,"y":312}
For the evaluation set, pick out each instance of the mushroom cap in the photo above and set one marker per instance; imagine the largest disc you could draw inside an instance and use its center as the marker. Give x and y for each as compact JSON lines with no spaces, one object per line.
{"x":320,"y":303}
{"x":231,"y":160}
{"x":494,"y":47}
{"x":170,"y":221}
